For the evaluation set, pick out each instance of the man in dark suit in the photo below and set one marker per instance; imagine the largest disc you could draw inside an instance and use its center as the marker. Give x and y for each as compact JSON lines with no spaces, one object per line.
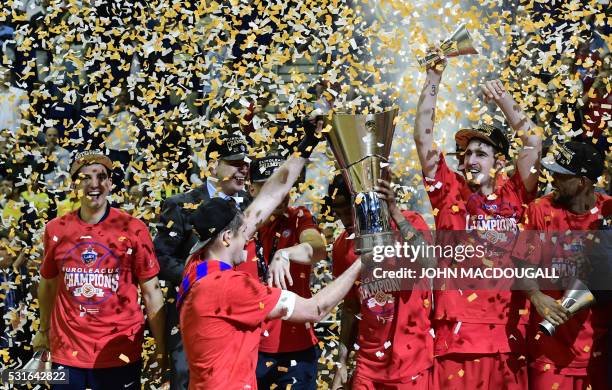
{"x":228,"y":168}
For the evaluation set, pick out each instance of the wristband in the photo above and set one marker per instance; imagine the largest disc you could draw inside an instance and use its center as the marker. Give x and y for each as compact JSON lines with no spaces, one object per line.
{"x":309,"y":142}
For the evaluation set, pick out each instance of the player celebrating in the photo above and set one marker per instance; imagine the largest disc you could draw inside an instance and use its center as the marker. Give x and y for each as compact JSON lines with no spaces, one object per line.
{"x":575,"y":356}
{"x":477,"y":340}
{"x":395,"y":347}
{"x":288,"y":243}
{"x":95,"y":259}
{"x":226,"y":158}
{"x":221,"y":310}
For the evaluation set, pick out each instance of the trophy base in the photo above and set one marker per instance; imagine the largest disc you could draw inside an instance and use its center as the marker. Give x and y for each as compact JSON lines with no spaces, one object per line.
{"x":366,"y":242}
{"x":547,"y":328}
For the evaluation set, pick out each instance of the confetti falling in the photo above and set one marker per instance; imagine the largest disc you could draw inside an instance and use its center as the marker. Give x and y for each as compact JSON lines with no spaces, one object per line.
{"x":178,"y":74}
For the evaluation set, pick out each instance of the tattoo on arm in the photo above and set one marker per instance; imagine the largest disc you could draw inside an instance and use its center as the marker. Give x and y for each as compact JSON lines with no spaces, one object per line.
{"x":433,"y":90}
{"x":415,"y":238}
{"x":409,"y":233}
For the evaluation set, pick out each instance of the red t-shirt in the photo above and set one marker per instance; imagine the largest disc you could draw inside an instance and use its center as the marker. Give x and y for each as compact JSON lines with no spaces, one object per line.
{"x":278,"y":335}
{"x":220,"y":323}
{"x":582,"y":340}
{"x":478,"y":321}
{"x":394,"y":336}
{"x":97,"y":321}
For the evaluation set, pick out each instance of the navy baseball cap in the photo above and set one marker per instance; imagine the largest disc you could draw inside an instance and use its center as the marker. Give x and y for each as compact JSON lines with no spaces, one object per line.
{"x":577,"y":159}
{"x":231,"y":147}
{"x":210,"y":218}
{"x":262,"y":168}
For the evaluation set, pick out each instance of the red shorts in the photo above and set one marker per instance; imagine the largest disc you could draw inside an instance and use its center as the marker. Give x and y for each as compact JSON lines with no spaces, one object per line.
{"x":548,"y":377}
{"x":460,"y":371}
{"x":422,"y":381}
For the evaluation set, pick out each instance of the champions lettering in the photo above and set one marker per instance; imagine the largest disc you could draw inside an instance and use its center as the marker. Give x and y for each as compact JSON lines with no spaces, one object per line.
{"x":481,"y":222}
{"x":371,"y":289}
{"x":272,"y":163}
{"x":96,"y":278}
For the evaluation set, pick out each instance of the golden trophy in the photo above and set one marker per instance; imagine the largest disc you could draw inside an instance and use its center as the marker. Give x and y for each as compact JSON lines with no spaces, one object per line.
{"x":458,"y":44}
{"x":361,"y":144}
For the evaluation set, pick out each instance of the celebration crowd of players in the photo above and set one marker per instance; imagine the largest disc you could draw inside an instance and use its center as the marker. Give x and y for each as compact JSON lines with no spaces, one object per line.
{"x":237,"y":260}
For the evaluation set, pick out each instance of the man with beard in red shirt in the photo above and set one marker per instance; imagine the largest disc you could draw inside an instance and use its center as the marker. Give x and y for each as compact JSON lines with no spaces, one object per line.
{"x":288,"y":243}
{"x":575,"y":356}
{"x":479,"y":335}
{"x":386,"y":322}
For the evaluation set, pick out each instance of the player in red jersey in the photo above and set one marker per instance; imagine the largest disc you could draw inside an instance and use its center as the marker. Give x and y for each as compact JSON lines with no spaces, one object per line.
{"x":479,"y":335}
{"x":575,"y":357}
{"x":221,"y":309}
{"x":95,"y":260}
{"x":287,"y":243}
{"x":386,"y":323}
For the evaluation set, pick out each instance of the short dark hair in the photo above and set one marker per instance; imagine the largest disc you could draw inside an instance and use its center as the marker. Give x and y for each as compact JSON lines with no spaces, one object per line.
{"x":337,"y":187}
{"x":236,"y":222}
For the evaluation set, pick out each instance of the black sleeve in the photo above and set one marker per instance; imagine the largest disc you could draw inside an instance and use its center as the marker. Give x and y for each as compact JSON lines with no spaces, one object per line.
{"x":169,"y":241}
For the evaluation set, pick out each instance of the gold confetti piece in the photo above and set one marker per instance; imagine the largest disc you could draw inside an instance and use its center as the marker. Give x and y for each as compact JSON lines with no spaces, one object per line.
{"x":472,"y":297}
{"x":282,"y":369}
{"x":269,"y":364}
{"x":461,"y":373}
{"x":586,"y":348}
{"x":261,"y":305}
{"x":124,"y":358}
{"x":74,"y":353}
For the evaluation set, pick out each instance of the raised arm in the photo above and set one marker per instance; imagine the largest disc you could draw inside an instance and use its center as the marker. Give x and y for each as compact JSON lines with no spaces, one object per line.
{"x":278,"y":185}
{"x":528,"y":162}
{"x":409,"y":233}
{"x":425,"y":117}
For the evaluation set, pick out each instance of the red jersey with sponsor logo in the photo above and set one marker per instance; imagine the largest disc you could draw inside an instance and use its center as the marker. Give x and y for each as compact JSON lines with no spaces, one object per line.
{"x":478,"y":321}
{"x":220,"y":323}
{"x":97,"y":321}
{"x":582,"y":340}
{"x":394,"y":336}
{"x":283,"y":232}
